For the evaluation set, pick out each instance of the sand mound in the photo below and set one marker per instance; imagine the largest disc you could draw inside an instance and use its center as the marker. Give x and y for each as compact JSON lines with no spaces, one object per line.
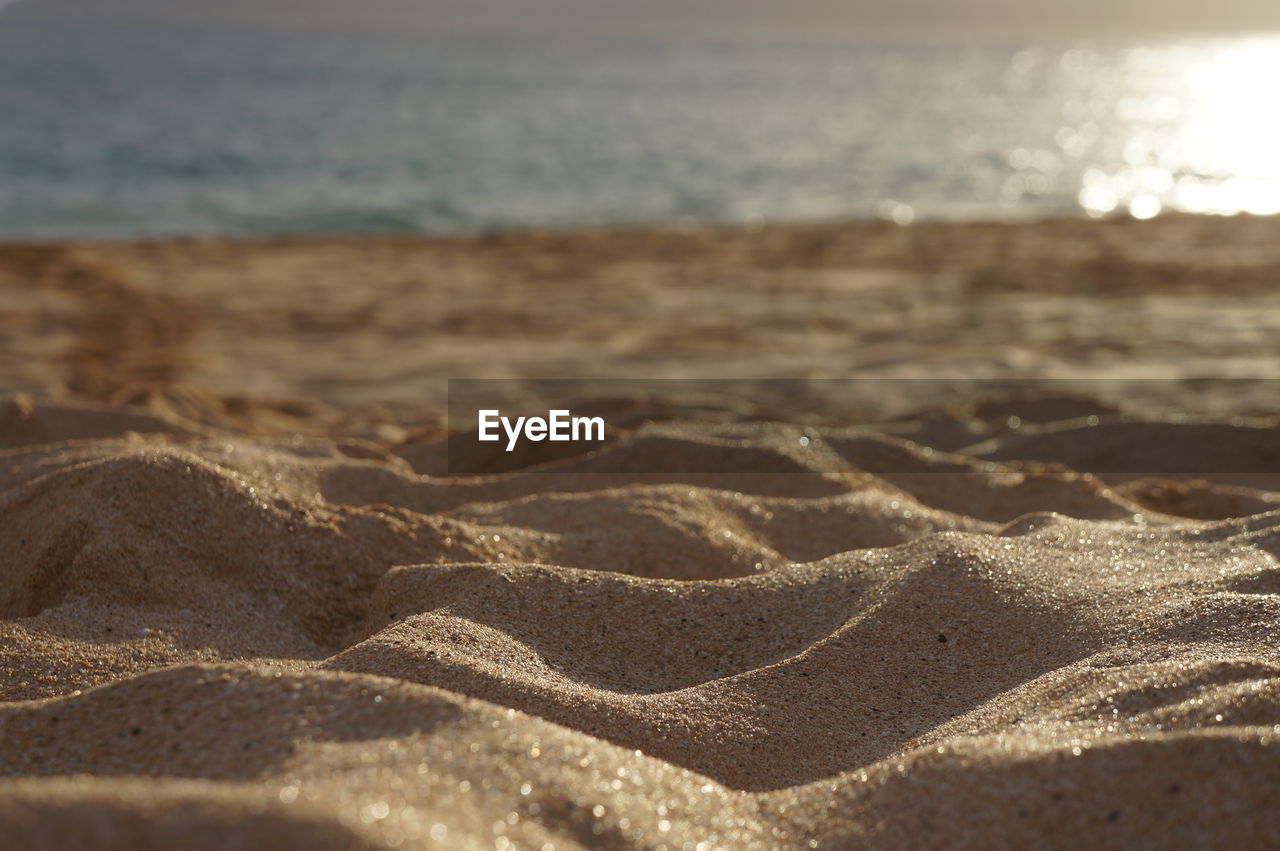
{"x":303,"y":642}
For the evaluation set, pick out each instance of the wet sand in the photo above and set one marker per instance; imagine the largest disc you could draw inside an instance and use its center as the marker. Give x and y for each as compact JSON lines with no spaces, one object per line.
{"x":243,"y":604}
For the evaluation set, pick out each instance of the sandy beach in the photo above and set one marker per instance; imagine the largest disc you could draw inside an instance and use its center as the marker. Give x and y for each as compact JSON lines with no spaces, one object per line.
{"x":244,"y":602}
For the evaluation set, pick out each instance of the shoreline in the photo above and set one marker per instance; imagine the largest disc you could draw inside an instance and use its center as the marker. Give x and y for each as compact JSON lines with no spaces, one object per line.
{"x":1012,"y":219}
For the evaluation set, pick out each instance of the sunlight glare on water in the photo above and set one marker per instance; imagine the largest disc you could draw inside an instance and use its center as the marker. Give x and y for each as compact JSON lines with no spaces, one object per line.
{"x":1210,"y":143}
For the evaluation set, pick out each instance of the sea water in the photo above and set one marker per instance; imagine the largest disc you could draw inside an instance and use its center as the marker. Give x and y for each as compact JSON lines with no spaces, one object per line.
{"x":142,"y":131}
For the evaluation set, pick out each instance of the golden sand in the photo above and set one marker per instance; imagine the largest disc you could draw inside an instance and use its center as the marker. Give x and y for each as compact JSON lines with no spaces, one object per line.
{"x":243,"y":607}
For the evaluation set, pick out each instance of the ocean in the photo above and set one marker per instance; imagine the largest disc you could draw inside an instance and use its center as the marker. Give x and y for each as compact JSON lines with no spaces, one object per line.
{"x":148,"y":131}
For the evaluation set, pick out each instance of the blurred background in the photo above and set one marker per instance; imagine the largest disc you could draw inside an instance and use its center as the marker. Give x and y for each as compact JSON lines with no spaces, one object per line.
{"x":140,"y":117}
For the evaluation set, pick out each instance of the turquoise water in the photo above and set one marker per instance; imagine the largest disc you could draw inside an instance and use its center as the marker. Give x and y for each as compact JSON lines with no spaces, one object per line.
{"x":128,"y":132}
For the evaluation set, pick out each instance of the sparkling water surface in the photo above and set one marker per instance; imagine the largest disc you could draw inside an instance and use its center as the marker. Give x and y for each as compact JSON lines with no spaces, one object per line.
{"x":126,"y":132}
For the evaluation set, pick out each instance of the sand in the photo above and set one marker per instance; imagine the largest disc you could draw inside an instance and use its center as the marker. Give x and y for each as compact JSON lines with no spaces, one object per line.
{"x":243,"y":605}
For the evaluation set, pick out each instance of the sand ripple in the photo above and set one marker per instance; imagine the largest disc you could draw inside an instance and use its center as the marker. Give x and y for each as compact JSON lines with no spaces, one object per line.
{"x":216,"y":638}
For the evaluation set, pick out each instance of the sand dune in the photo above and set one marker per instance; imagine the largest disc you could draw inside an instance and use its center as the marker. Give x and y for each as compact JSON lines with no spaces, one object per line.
{"x":766,"y":667}
{"x":276,"y":621}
